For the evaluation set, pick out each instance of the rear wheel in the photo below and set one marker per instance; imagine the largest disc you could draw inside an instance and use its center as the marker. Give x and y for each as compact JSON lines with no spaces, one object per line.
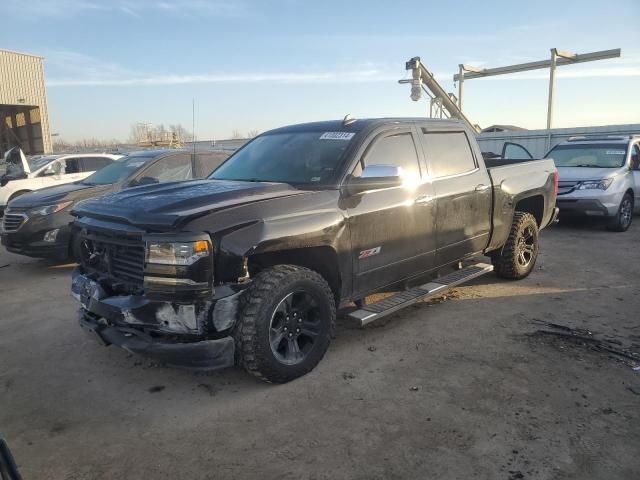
{"x":518,"y":256}
{"x":622,"y":221}
{"x":286,"y":319}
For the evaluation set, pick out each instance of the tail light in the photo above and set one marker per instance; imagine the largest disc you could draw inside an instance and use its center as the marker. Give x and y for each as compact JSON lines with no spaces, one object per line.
{"x":555,"y":182}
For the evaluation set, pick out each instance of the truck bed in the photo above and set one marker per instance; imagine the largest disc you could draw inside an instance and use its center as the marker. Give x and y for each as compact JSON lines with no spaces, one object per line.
{"x":512,"y":181}
{"x":502,"y":162}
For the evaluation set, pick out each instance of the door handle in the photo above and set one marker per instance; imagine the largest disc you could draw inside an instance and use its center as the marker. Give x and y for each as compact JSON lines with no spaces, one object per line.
{"x":482,"y":187}
{"x":423,"y":200}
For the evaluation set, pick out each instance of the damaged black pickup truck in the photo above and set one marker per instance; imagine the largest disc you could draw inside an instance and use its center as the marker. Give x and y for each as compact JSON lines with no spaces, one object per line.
{"x":249,"y":266}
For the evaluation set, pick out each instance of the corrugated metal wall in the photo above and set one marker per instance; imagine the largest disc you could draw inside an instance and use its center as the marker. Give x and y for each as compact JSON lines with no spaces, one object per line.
{"x":538,"y":142}
{"x":22,"y":85}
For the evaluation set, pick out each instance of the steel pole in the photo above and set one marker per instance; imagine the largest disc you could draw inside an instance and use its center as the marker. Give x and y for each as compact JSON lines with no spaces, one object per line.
{"x":552,"y":81}
{"x":460,"y":86}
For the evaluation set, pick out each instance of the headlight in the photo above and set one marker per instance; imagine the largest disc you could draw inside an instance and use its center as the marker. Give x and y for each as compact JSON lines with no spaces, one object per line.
{"x":177,"y":253}
{"x":596,"y":184}
{"x":49,"y":209}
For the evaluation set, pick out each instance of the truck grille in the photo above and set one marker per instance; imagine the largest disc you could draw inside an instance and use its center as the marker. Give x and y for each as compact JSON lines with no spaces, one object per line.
{"x":11,"y":222}
{"x":117,"y":256}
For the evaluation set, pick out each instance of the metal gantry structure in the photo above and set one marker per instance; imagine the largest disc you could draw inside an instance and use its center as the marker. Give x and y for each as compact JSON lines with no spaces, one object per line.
{"x":443,"y":104}
{"x":558,"y":58}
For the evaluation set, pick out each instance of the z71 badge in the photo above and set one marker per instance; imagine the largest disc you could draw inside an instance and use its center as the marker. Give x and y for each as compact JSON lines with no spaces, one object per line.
{"x":369,"y":253}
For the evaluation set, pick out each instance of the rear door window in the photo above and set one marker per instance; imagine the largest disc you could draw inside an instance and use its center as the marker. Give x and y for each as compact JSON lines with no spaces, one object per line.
{"x":172,"y":168}
{"x":91,"y":164}
{"x":206,"y":163}
{"x":71,"y":165}
{"x":448,"y":153}
{"x":515,"y":151}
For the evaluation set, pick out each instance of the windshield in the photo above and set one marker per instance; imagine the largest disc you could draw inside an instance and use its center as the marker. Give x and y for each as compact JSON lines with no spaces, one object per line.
{"x":303,"y":158}
{"x":38,"y":162}
{"x":598,"y":156}
{"x":116,"y":171}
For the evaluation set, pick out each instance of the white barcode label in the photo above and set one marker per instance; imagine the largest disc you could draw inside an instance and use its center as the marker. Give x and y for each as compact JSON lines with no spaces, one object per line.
{"x":337,"y":136}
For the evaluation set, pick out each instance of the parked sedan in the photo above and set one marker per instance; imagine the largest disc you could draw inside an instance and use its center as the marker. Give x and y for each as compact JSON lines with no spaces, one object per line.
{"x":37,"y":224}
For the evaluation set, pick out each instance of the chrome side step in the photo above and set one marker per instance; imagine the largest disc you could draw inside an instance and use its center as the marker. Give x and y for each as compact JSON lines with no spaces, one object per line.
{"x":400,"y":300}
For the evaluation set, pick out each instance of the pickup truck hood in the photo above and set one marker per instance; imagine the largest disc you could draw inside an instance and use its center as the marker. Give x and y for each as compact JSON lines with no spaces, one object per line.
{"x":58,"y":194}
{"x":585,"y":173}
{"x":162,"y":206}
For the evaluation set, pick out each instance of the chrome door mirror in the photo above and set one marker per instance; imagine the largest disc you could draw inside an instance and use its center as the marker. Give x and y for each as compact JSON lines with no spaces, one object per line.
{"x":375,"y":177}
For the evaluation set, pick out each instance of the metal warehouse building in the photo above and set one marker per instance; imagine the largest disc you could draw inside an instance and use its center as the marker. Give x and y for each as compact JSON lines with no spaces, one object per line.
{"x":24,"y":119}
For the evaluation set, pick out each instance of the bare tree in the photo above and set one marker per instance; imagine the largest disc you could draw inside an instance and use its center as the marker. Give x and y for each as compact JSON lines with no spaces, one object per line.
{"x":180,"y":132}
{"x":83,"y":145}
{"x":252,"y":133}
{"x":236,"y":135}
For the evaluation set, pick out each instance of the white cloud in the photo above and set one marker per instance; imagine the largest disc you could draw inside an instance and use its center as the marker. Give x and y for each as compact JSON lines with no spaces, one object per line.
{"x":72,"y":69}
{"x":352,"y":76}
{"x":35,"y":9}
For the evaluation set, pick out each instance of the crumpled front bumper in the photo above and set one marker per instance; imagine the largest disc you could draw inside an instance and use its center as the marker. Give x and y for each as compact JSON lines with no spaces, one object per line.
{"x":120,"y":321}
{"x":198,"y":355}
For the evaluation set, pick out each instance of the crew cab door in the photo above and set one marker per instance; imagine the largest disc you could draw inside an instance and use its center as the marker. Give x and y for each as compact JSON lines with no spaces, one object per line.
{"x":392,"y":229}
{"x":635,"y":170}
{"x":463,"y":194}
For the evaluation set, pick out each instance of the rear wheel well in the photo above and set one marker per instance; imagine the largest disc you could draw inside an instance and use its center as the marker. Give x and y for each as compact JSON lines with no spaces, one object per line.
{"x":533,"y":205}
{"x":322,"y":259}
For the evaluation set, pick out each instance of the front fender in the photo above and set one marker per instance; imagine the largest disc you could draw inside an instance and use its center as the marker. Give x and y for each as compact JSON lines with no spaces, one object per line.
{"x":276,"y":234}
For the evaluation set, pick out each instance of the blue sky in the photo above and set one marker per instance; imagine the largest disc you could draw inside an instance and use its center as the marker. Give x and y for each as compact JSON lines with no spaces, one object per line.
{"x":258,"y":64}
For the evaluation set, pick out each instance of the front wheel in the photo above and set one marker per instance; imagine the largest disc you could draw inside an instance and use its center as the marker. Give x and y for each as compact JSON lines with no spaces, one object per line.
{"x":622,"y":221}
{"x":286,"y":319}
{"x":518,"y":255}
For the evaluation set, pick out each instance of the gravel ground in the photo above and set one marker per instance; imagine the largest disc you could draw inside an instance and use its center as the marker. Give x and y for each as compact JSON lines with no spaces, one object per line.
{"x":461,"y":387}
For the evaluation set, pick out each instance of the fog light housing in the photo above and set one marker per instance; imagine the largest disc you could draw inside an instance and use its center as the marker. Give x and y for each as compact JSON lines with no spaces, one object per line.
{"x":51,"y":235}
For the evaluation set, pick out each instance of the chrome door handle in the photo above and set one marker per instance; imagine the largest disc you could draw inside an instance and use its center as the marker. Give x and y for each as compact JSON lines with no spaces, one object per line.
{"x":423,"y":200}
{"x":482,"y":187}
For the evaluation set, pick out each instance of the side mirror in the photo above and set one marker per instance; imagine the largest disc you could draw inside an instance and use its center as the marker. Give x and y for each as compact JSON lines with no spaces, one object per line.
{"x":375,"y":177}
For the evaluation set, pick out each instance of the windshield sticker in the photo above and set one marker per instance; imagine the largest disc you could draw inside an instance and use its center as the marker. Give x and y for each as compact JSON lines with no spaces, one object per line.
{"x":315,"y":179}
{"x":136,"y":164}
{"x":337,"y":136}
{"x":615,"y":152}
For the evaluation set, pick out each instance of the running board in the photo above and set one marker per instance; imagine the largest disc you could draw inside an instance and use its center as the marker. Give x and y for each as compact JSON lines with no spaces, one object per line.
{"x":400,"y":300}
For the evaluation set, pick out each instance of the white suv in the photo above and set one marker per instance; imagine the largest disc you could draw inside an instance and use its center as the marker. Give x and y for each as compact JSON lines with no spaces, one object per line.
{"x":599,"y":177}
{"x":24,"y":175}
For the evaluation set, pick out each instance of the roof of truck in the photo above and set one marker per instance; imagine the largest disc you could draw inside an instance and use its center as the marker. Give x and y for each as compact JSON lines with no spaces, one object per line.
{"x":359,"y":124}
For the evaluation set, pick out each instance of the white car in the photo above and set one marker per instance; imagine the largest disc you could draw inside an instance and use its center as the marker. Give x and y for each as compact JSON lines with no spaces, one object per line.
{"x":24,"y":175}
{"x":599,"y":178}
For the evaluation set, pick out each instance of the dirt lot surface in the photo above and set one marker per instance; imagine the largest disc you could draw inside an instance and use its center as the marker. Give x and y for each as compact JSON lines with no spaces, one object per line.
{"x":460,"y":388}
